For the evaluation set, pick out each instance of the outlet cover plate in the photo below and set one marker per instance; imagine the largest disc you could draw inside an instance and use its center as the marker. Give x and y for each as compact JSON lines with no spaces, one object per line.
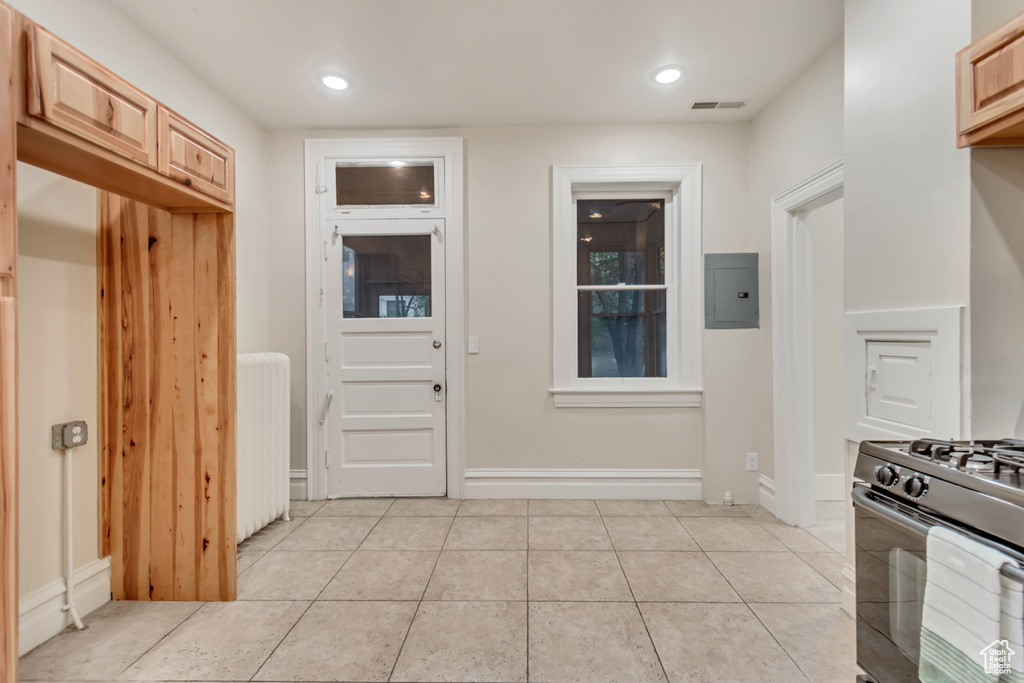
{"x":69,"y":435}
{"x":751,"y":462}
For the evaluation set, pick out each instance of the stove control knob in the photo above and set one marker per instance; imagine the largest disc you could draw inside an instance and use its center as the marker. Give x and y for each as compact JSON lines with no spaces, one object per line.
{"x":886,"y":475}
{"x":916,"y":487}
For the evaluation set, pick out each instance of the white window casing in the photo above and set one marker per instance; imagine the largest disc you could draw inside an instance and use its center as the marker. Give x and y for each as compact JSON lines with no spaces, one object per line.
{"x":681,"y":185}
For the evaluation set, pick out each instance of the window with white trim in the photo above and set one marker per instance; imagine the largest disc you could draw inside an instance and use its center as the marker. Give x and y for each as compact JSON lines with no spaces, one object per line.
{"x":627,"y":281}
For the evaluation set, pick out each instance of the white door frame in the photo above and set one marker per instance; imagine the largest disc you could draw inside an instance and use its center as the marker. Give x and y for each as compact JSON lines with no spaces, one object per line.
{"x":792,"y":345}
{"x":455,"y":308}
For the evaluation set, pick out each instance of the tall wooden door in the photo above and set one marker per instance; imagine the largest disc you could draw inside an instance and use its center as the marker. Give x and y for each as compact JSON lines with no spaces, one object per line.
{"x":385,"y":358}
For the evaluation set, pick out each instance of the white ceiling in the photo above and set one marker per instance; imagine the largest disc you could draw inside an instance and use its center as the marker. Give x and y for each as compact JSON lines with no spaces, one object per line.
{"x":440,"y":63}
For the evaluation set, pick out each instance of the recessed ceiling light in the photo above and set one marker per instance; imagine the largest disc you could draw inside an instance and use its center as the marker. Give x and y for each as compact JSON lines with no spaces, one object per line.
{"x":335,"y":82}
{"x":595,"y":215}
{"x":669,"y":75}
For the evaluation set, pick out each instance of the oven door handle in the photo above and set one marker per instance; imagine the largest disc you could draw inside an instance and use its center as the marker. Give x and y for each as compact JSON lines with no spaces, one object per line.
{"x":862,"y":497}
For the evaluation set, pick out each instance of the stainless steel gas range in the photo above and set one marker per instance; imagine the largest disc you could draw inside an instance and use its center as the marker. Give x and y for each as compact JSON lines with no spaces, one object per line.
{"x":974,"y":488}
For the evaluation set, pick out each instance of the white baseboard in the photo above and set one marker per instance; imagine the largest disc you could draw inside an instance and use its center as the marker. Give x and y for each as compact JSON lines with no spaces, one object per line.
{"x":41,"y":614}
{"x":766,"y":493}
{"x":298,"y":488}
{"x":829,"y":487}
{"x":600,"y":484}
{"x":850,"y":590}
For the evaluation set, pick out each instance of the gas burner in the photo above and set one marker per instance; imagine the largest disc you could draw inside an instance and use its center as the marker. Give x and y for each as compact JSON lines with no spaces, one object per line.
{"x":976,"y":457}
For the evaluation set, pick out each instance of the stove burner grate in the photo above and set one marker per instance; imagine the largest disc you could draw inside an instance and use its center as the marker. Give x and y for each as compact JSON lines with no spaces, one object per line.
{"x":980,"y":456}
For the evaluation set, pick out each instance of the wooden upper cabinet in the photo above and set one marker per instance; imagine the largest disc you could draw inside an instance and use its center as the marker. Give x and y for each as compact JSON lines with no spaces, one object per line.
{"x":194,"y":158}
{"x":71,"y":91}
{"x":990,"y":88}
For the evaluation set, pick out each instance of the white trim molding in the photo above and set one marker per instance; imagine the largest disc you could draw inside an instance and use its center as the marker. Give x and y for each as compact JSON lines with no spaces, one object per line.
{"x":766,"y":493}
{"x":298,"y":489}
{"x":793,"y":370}
{"x":41,"y":614}
{"x":615,"y":398}
{"x":451,"y":208}
{"x":639,"y":484}
{"x":942,"y":329}
{"x":680,"y":185}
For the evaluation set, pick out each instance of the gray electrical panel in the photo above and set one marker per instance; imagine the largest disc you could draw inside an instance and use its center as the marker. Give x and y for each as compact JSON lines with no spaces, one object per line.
{"x":730,"y":291}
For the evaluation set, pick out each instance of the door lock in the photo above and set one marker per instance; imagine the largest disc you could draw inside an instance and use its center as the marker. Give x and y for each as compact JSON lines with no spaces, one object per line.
{"x":437,"y":393}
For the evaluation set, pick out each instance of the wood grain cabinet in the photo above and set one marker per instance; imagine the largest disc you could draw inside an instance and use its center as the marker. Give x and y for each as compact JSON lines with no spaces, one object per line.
{"x":194,"y":158}
{"x":990,"y":88}
{"x":71,"y":91}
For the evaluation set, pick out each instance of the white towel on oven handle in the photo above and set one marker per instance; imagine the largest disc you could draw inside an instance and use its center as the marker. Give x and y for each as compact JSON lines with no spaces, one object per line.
{"x":1012,"y":627}
{"x":964,"y":612}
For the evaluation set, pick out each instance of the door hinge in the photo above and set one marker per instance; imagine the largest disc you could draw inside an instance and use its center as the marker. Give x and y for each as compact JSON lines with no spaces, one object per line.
{"x":327,"y":461}
{"x":327,"y":352}
{"x":321,"y":297}
{"x":325,"y":250}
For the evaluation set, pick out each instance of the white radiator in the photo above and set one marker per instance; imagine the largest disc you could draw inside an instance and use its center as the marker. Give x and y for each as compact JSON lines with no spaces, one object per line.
{"x":263,"y":440}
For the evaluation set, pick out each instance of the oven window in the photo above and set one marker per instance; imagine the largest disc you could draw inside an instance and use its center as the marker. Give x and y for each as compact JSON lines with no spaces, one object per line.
{"x":891,"y":576}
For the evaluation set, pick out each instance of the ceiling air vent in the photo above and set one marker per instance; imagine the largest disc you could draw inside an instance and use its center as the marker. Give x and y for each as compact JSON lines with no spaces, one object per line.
{"x":725,"y":104}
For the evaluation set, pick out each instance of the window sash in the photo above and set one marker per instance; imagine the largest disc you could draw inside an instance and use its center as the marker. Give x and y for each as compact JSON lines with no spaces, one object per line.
{"x":680,"y":184}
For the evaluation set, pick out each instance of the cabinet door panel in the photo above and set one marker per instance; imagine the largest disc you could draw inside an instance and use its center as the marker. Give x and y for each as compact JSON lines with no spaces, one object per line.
{"x":71,"y":91}
{"x":191,"y":156}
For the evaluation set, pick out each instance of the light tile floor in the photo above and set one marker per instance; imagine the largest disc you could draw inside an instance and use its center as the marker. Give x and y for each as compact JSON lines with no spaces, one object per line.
{"x":539,"y":590}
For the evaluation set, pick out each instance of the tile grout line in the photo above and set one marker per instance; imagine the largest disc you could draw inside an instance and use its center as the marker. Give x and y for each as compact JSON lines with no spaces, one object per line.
{"x":202,"y":605}
{"x":781,"y":646}
{"x":296,"y":622}
{"x":161,"y":639}
{"x":352,"y":553}
{"x":423,"y":594}
{"x":636,"y":605}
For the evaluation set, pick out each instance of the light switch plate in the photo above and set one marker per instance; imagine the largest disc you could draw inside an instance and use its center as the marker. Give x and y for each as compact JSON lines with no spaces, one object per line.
{"x":473,"y":345}
{"x":69,"y":435}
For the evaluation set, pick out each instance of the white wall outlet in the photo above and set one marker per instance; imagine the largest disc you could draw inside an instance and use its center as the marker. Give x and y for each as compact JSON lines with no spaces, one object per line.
{"x":473,"y":345}
{"x":751,"y":462}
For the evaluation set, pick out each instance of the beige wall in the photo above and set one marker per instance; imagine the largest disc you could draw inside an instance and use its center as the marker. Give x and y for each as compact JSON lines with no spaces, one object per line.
{"x":826,"y":227}
{"x":997,"y":269}
{"x":907,"y":185}
{"x":97,"y":29}
{"x":799,"y":134}
{"x":510,"y":417}
{"x":57,"y":366}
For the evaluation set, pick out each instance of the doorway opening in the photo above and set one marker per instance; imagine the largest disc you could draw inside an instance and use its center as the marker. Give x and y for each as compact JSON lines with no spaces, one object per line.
{"x":794,"y":342}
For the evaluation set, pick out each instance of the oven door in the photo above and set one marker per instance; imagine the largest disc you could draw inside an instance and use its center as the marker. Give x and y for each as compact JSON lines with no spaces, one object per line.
{"x":891,"y":539}
{"x":891,"y":576}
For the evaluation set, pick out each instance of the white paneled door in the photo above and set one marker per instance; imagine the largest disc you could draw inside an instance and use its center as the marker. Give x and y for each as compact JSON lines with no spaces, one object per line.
{"x":385,"y":418}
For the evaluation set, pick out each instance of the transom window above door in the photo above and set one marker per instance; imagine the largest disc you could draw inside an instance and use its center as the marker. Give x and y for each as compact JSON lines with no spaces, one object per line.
{"x":627,"y":285}
{"x":399,"y":187}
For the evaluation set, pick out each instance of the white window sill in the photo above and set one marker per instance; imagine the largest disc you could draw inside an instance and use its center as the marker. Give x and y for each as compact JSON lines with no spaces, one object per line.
{"x":627,"y":398}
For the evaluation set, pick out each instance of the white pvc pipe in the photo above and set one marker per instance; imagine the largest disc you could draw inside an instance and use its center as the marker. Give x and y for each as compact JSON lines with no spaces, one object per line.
{"x":69,"y":550}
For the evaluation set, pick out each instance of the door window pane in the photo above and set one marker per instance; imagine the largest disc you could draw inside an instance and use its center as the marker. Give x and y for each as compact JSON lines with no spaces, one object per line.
{"x":396,"y":183}
{"x":386,"y":276}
